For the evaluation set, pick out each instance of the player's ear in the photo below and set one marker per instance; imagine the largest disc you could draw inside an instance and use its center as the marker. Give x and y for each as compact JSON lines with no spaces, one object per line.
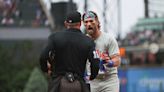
{"x":98,"y":22}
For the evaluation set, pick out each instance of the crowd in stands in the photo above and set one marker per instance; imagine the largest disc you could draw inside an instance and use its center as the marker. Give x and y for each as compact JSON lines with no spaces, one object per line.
{"x":21,"y":12}
{"x":8,"y":10}
{"x":143,"y":58}
{"x":141,"y":39}
{"x":146,"y":37}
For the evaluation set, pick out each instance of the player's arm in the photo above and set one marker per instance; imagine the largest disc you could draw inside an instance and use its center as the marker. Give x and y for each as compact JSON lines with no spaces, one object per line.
{"x":116,"y":59}
{"x":113,"y":60}
{"x":113,"y":57}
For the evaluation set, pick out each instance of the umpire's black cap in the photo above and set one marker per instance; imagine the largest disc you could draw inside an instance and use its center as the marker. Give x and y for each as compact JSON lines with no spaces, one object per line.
{"x":73,"y":17}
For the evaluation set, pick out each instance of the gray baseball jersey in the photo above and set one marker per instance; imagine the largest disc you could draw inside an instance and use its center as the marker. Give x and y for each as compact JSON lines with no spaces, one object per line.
{"x":107,"y":43}
{"x":106,"y":81}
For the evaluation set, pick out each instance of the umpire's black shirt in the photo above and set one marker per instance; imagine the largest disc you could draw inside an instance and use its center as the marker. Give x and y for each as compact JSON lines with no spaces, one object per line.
{"x":71,"y":50}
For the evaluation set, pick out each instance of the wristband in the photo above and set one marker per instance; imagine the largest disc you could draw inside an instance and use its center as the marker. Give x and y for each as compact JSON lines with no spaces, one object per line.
{"x":111,"y":63}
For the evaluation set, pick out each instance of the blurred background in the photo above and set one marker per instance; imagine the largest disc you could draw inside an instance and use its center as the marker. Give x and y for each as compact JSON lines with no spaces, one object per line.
{"x":138,"y":26}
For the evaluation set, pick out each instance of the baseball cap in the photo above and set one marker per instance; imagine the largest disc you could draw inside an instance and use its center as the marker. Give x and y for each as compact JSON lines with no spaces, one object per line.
{"x":73,"y":17}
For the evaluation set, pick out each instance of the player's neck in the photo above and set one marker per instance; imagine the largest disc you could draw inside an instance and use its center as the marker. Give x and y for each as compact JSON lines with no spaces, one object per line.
{"x":96,"y":35}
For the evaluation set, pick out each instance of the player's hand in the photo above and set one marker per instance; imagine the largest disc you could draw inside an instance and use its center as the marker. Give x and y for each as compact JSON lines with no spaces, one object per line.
{"x":87,"y":78}
{"x":105,"y":57}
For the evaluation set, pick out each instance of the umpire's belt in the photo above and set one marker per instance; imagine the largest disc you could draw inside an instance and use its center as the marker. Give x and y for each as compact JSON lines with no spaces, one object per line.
{"x":68,"y":75}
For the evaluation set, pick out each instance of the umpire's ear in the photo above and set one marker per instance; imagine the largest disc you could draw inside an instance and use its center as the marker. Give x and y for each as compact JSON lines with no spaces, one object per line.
{"x":65,"y":24}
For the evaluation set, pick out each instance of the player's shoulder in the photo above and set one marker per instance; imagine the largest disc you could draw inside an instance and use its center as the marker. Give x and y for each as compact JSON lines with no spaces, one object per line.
{"x":108,"y":35}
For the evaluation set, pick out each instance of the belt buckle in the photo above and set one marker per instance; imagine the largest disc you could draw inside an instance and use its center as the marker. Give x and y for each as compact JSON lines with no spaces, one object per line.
{"x":70,"y":77}
{"x":101,"y":76}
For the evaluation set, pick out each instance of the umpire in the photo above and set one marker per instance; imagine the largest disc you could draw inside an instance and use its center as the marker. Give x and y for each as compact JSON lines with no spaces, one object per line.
{"x":67,"y":52}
